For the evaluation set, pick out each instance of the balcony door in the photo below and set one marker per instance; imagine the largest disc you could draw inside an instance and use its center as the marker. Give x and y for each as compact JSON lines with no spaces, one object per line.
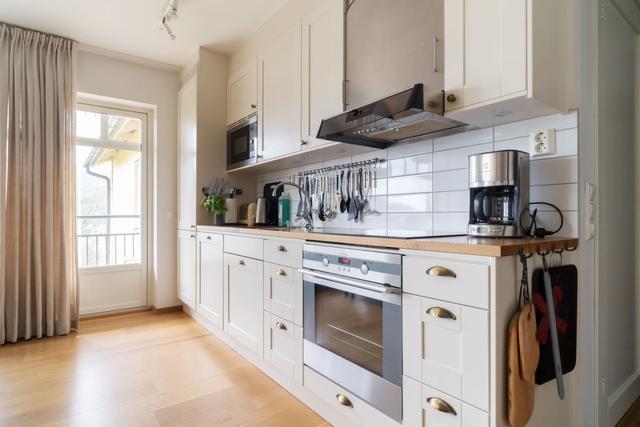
{"x":111,"y":208}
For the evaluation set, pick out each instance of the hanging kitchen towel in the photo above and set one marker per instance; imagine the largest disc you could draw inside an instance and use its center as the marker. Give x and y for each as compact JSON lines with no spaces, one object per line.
{"x":564,"y":282}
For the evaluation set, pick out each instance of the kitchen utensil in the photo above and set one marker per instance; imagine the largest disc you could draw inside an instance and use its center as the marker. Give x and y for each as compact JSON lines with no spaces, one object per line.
{"x":231,"y":214}
{"x":251,"y":214}
{"x":300,"y":183}
{"x":523,"y":355}
{"x":261,"y":210}
{"x":338,"y":192}
{"x":553,"y":327}
{"x":343,"y":201}
{"x":351,"y":205}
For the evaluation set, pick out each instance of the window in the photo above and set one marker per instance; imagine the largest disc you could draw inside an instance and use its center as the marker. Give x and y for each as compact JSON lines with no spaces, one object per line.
{"x":108,"y":186}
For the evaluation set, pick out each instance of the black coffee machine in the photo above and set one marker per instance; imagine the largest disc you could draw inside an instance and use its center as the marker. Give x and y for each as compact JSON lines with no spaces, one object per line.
{"x":499,"y":193}
{"x":271,"y":202}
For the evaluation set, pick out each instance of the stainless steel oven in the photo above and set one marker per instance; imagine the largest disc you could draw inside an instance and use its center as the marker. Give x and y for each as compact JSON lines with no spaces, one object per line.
{"x":353,"y":321}
{"x":242,"y":143}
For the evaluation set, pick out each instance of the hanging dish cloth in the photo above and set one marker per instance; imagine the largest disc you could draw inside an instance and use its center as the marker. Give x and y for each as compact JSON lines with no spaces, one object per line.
{"x":523,"y":355}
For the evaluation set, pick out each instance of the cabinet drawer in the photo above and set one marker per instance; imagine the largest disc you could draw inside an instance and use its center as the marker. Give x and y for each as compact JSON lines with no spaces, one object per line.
{"x":360,"y":412}
{"x":245,"y":246}
{"x":214,"y":239}
{"x":283,"y":292}
{"x":283,"y":346}
{"x":447,"y":347}
{"x":425,"y":406}
{"x":283,"y":252}
{"x":456,"y":281}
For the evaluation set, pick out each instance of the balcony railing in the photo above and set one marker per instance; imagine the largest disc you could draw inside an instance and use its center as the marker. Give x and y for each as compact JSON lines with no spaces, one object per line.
{"x":112,"y":248}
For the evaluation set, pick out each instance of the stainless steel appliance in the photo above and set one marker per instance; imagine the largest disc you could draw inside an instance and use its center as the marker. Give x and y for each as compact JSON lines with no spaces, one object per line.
{"x":392,"y":47}
{"x":242,"y":143}
{"x":261,"y":211}
{"x":353,"y":321}
{"x":499,"y":193}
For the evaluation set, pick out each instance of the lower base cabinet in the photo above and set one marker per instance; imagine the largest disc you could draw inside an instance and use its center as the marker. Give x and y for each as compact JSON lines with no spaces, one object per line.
{"x":243,"y":310}
{"x":210,"y":255}
{"x":283,"y":346}
{"x":187,"y":267}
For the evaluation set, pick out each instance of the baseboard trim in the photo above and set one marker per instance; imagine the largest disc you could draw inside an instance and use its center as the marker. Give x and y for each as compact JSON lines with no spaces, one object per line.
{"x":163,"y":310}
{"x":114,"y":313}
{"x":623,"y":398}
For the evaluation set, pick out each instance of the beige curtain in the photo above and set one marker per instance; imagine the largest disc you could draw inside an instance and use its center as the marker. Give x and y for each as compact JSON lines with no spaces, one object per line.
{"x":38,"y":273}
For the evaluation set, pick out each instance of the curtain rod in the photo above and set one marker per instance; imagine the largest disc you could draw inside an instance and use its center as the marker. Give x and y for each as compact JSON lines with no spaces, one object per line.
{"x":37,"y":31}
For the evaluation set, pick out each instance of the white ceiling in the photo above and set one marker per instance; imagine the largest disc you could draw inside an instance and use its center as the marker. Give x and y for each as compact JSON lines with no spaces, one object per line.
{"x":131,"y":26}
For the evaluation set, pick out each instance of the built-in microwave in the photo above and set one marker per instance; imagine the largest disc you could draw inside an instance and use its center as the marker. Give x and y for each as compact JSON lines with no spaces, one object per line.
{"x":242,"y":143}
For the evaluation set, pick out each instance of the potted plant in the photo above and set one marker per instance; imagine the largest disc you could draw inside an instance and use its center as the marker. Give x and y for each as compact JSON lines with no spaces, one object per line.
{"x":214,"y":205}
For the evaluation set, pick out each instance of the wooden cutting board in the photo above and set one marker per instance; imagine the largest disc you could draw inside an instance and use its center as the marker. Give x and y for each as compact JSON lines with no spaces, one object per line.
{"x":521,"y":392}
{"x":527,"y":342}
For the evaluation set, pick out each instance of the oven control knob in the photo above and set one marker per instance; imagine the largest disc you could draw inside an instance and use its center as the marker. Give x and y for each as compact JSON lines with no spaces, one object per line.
{"x":325,"y":262}
{"x":364,"y":268}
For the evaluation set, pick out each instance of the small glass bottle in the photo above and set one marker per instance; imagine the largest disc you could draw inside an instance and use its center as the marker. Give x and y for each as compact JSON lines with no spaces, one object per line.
{"x":283,"y":210}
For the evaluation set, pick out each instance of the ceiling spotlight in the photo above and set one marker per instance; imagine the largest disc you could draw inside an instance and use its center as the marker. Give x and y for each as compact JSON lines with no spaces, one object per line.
{"x":170,"y":12}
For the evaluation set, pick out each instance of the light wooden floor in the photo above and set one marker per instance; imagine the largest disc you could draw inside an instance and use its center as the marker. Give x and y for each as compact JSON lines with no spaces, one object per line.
{"x":140,"y":369}
{"x":632,"y":417}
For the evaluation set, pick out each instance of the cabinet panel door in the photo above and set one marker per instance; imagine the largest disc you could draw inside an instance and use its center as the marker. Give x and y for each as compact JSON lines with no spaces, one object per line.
{"x":187,"y":267}
{"x":243,"y":313}
{"x":242,"y":92}
{"x":187,"y":156}
{"x":211,"y":277}
{"x":513,"y":43}
{"x":279,"y":92}
{"x":481,"y":51}
{"x":283,"y":346}
{"x":283,"y":292}
{"x":322,"y":67}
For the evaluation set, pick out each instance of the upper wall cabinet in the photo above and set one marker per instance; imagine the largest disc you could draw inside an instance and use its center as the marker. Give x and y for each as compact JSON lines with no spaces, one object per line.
{"x":504,"y":59}
{"x":187,"y":155}
{"x":242,"y":93}
{"x":322,"y":68}
{"x":279,"y":89}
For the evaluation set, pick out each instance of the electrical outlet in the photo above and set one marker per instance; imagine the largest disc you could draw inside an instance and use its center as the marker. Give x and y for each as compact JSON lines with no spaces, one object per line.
{"x":543,"y":142}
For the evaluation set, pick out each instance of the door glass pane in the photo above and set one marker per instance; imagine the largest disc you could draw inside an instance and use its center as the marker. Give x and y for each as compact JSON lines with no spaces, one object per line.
{"x":351,"y":326}
{"x":108,"y":189}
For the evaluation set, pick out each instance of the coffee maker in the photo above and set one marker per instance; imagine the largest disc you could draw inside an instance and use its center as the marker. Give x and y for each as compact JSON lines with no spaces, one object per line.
{"x":499,"y":193}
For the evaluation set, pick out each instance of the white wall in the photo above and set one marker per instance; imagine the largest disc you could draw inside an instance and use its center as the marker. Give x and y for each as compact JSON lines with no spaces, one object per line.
{"x":117,"y":78}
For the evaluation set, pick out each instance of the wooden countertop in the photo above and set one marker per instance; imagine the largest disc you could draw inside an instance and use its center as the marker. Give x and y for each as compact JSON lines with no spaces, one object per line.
{"x":465,"y":245}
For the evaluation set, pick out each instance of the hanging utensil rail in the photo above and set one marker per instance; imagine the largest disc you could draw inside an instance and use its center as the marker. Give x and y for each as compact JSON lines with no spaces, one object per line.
{"x":371,"y":162}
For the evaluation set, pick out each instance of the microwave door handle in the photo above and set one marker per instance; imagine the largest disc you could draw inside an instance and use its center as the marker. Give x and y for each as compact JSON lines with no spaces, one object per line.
{"x":370,"y":287}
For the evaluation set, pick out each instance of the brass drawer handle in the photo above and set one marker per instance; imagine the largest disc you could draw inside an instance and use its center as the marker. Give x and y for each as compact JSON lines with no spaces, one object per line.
{"x":282,"y":249}
{"x":344,"y":400}
{"x":440,"y":405}
{"x":440,"y":271}
{"x":281,"y":325}
{"x":281,"y":272}
{"x":208,"y":237}
{"x":441,"y":313}
{"x":241,"y":262}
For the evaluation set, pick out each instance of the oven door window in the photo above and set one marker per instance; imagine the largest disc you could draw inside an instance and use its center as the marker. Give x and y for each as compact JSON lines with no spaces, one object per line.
{"x":363,"y":330}
{"x":238,"y":145}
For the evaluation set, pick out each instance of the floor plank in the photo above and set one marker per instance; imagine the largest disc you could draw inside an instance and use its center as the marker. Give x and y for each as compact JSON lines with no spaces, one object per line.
{"x":140,"y":369}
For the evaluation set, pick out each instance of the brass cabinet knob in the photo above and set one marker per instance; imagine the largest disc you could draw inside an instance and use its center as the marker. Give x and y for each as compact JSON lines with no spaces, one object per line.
{"x":281,"y":272}
{"x":451,"y":98}
{"x":253,"y":105}
{"x":241,"y":262}
{"x":303,"y":142}
{"x":282,"y":249}
{"x":281,"y":325}
{"x":344,"y":400}
{"x":440,"y":405}
{"x":441,"y":313}
{"x":441,"y":271}
{"x":208,"y":237}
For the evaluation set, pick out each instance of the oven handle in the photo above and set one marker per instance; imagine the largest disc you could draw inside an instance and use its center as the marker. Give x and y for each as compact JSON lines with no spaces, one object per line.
{"x":382,"y":289}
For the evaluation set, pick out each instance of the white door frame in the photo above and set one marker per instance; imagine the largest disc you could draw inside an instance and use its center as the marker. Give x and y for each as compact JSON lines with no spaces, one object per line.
{"x":99,"y":104}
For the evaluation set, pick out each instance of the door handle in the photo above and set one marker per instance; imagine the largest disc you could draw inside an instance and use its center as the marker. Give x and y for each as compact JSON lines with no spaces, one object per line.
{"x":440,"y":405}
{"x":281,"y":326}
{"x":253,"y":105}
{"x":344,"y":400}
{"x":440,"y":271}
{"x":281,"y":272}
{"x":435,"y":49}
{"x":241,"y":262}
{"x":441,"y":313}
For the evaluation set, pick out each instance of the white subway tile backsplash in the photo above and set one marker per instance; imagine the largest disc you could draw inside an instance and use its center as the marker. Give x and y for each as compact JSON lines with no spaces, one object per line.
{"x":454,"y":180}
{"x":423,"y":185}
{"x":451,"y":201}
{"x":458,"y":158}
{"x":464,"y":139}
{"x":409,"y":184}
{"x":410,"y":165}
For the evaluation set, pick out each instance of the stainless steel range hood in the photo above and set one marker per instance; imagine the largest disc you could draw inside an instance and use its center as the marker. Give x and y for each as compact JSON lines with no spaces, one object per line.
{"x":392,"y":47}
{"x":398,"y":117}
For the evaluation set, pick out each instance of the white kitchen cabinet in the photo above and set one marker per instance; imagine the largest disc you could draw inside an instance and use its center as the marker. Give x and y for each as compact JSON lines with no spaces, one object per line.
{"x":242,"y":92}
{"x":283,"y":292}
{"x":187,"y":267}
{"x":322,"y":68}
{"x":210,"y":261}
{"x":283,"y":346}
{"x":504,"y":59}
{"x":187,"y":155}
{"x":279,"y":93}
{"x":243,"y":310}
{"x":446,"y":346}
